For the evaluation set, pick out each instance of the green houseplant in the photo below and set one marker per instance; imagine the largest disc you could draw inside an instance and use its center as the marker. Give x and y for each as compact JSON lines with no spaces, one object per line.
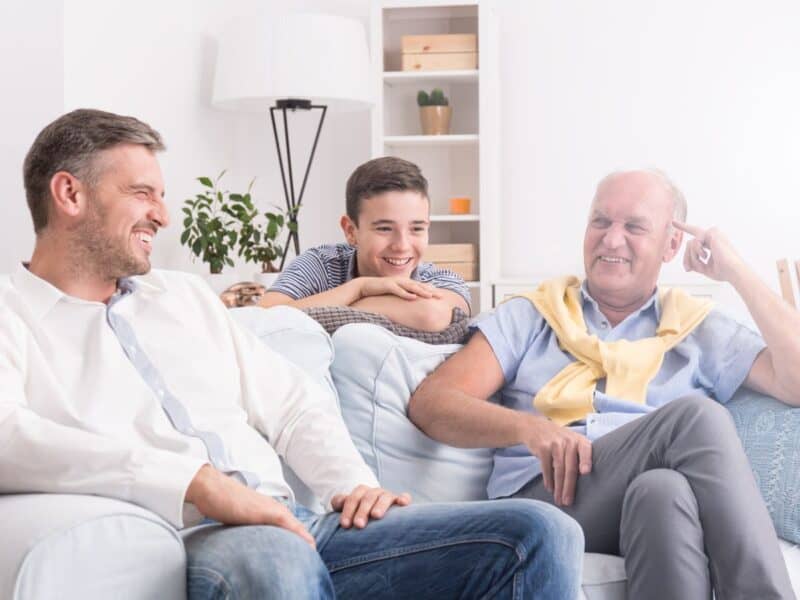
{"x":209,"y":225}
{"x":259,"y":233}
{"x":434,"y":112}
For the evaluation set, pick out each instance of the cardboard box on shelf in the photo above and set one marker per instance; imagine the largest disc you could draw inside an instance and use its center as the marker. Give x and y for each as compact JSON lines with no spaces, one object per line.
{"x":439,"y":52}
{"x":462,"y":259}
{"x":451,"y":253}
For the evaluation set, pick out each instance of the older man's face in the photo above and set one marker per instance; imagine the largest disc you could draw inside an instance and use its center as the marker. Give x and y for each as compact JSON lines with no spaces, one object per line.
{"x":628,"y":237}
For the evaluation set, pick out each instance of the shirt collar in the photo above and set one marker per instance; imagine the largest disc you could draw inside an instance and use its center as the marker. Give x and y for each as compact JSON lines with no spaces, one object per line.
{"x":653,"y":303}
{"x":41,"y":296}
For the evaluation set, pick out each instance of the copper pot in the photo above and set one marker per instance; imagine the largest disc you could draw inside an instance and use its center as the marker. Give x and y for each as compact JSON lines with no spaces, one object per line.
{"x":435,"y":119}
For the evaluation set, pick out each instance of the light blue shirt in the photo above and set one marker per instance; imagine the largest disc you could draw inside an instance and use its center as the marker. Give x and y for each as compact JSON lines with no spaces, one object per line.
{"x":713,"y":360}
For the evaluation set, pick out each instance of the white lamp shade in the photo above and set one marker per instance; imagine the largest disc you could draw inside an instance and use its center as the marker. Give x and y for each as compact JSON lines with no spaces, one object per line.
{"x":322,"y":58}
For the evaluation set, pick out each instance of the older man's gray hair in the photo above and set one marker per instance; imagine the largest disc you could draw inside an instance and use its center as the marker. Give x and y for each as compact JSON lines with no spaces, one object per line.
{"x":679,"y":207}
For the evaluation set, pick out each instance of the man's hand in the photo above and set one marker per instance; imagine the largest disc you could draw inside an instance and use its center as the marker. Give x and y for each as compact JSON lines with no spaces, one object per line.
{"x":564,"y":455}
{"x":365,"y":503}
{"x":402,"y":287}
{"x":723,"y":262}
{"x":226,"y":500}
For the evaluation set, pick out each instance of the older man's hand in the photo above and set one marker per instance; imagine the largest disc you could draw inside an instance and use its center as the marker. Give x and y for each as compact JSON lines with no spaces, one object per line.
{"x":564,"y":455}
{"x":365,"y":503}
{"x":710,"y":253}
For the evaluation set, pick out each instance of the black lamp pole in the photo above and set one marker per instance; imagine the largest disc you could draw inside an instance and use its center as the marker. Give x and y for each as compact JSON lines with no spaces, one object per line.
{"x":293,"y":201}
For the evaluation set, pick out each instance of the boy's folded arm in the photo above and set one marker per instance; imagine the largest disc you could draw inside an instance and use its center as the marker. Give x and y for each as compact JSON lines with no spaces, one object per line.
{"x":343,"y":295}
{"x":425,"y":314}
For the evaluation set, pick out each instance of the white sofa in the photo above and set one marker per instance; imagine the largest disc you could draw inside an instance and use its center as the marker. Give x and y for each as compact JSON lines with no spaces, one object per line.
{"x":91,"y":547}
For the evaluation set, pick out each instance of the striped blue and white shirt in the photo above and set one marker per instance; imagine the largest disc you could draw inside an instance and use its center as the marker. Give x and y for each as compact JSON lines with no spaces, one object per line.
{"x":328,"y":266}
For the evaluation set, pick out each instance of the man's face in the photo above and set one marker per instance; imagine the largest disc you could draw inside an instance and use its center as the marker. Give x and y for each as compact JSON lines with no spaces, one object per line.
{"x":124,"y":210}
{"x":391,"y":233}
{"x":628,"y":237}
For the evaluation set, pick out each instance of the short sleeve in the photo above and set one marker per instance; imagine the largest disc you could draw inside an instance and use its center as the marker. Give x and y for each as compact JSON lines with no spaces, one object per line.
{"x":442,"y":278}
{"x":305,"y":276}
{"x":511,"y":331}
{"x":728,"y":350}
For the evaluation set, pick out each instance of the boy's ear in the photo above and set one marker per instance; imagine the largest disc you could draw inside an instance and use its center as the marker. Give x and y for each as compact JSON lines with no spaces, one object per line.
{"x":349,"y":229}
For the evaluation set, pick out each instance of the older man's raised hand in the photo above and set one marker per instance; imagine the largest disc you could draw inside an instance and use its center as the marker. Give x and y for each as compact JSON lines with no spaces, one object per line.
{"x":710,"y":253}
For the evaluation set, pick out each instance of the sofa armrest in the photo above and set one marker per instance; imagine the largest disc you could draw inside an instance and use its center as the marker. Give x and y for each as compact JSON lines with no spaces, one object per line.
{"x":74,"y":546}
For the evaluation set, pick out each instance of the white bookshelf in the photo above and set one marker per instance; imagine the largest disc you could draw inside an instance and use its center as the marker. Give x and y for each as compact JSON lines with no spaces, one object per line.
{"x":465,"y":162}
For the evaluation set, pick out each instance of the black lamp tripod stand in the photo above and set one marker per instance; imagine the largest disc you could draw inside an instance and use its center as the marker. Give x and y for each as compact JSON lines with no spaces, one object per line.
{"x":293,"y":201}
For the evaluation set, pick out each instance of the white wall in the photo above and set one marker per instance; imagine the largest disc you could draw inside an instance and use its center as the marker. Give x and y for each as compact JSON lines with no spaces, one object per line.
{"x":708,"y":91}
{"x":155,"y":60}
{"x":32,"y":89}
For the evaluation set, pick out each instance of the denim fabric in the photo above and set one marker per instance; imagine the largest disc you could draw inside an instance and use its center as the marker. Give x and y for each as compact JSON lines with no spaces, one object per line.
{"x":499,"y":549}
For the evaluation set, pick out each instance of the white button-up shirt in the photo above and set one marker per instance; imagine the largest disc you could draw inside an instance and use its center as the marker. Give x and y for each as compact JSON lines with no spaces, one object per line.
{"x":76,"y":416}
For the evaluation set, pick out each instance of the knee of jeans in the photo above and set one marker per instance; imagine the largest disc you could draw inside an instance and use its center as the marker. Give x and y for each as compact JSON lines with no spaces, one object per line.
{"x":657,"y":492}
{"x":546,"y":530}
{"x":279,"y":565}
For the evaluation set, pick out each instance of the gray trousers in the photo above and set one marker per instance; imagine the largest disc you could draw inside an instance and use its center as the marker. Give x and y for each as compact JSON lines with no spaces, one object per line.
{"x":673,"y":493}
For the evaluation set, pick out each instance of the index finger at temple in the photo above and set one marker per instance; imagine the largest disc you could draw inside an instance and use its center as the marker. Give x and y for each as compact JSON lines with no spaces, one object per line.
{"x":690,"y":229}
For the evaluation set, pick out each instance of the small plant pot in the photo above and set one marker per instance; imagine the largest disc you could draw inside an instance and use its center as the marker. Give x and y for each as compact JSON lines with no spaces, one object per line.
{"x":435,"y":120}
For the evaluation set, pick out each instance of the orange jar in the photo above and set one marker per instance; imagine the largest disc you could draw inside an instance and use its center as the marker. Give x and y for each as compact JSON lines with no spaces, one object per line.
{"x":459,"y":206}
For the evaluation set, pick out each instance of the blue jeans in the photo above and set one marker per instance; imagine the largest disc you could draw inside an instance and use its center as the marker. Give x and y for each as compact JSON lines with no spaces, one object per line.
{"x":491,"y":549}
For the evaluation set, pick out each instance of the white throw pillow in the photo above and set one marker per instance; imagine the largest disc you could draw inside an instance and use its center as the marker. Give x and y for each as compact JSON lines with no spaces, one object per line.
{"x":375,"y":373}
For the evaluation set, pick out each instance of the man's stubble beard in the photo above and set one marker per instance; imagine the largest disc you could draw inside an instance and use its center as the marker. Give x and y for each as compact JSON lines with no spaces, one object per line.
{"x":97,"y":254}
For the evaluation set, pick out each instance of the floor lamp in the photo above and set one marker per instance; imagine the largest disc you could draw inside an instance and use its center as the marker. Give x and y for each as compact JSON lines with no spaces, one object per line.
{"x":290,"y":63}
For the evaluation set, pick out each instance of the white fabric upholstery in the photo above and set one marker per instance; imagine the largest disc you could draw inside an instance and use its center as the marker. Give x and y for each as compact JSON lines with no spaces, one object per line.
{"x":375,"y":373}
{"x":87,"y":547}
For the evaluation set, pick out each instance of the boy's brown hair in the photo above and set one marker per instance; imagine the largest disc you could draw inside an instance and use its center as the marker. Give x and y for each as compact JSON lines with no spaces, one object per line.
{"x":379,"y":175}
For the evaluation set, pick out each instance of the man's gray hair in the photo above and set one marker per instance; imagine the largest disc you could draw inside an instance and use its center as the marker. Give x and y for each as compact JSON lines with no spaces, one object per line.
{"x":72,"y":143}
{"x":679,"y":207}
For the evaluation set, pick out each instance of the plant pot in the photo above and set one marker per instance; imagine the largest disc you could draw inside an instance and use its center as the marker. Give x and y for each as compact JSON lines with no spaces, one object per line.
{"x":435,"y":120}
{"x":266,"y":279}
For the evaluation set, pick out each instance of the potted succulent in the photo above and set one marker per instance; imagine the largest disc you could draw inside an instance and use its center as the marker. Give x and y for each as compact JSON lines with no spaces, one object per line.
{"x":209,"y":227}
{"x":434,"y":112}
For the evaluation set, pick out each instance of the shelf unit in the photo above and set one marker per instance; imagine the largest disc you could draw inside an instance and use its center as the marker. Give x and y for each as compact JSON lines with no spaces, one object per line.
{"x":465,"y":162}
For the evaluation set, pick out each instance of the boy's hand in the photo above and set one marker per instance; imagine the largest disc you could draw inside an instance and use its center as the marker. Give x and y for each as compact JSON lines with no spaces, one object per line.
{"x":402,"y":287}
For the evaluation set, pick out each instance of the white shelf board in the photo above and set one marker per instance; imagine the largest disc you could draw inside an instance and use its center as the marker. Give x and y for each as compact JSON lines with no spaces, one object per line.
{"x":473,"y":284}
{"x":454,"y":218}
{"x":412,"y":77}
{"x":465,"y":139}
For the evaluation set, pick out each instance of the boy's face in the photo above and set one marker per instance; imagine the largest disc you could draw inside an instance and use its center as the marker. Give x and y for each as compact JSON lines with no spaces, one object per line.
{"x":391,"y":233}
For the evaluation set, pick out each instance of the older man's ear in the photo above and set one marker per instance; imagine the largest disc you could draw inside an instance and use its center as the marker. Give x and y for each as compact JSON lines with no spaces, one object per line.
{"x":674,"y":244}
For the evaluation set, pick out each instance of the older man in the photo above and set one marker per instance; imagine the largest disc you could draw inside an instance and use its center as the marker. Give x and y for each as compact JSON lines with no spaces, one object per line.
{"x":611,"y":394}
{"x":135,"y":384}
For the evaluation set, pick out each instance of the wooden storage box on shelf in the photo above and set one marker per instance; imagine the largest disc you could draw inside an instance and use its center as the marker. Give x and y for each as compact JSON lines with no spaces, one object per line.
{"x":439,"y":52}
{"x":462,"y":259}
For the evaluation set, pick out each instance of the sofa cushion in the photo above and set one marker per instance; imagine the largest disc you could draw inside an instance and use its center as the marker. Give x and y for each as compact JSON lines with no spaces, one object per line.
{"x":375,"y":373}
{"x":770,"y":434}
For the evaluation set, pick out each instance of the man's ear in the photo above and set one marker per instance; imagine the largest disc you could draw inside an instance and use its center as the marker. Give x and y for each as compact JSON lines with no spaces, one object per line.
{"x":68,"y":193}
{"x":349,"y":229}
{"x":673,"y":244}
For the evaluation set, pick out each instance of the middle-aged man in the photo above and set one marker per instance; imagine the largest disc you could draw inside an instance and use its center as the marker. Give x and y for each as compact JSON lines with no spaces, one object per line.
{"x":136,"y":384}
{"x":606,"y":400}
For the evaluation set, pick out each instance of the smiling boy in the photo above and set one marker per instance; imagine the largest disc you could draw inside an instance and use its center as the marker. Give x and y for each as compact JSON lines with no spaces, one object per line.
{"x":379,"y":269}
